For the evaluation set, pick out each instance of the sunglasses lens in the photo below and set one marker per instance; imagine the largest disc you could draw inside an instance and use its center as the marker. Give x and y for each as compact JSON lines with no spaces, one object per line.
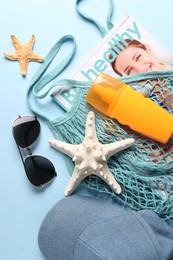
{"x":26,"y":130}
{"x":39,"y":170}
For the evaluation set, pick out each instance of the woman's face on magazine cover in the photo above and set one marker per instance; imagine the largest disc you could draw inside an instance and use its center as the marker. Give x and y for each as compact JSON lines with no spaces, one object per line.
{"x":133,"y":60}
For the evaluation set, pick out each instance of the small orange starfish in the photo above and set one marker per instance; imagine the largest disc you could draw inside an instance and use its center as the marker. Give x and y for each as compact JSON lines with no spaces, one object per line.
{"x":23,"y":53}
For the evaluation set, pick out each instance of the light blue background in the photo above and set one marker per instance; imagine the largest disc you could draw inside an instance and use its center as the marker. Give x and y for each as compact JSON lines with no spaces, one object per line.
{"x":22,"y":207}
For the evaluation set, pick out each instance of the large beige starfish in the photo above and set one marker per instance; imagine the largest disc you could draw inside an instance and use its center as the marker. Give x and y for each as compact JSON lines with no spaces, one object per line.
{"x":23,"y":53}
{"x":91,"y":157}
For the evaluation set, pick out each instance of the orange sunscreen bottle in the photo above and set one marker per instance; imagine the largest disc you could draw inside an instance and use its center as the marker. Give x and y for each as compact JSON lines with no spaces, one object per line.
{"x":119,"y":101}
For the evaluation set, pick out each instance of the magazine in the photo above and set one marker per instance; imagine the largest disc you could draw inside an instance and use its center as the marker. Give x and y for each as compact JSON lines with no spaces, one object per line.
{"x":100,"y":60}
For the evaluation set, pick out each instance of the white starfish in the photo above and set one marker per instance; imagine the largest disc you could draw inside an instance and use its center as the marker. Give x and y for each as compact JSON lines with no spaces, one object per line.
{"x":91,"y":157}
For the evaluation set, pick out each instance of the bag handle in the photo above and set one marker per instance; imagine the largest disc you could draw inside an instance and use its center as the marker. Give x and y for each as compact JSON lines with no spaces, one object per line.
{"x":109,"y":25}
{"x":39,"y":80}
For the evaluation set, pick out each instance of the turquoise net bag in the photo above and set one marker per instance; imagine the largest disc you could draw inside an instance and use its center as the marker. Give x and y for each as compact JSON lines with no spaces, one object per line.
{"x":145,"y":170}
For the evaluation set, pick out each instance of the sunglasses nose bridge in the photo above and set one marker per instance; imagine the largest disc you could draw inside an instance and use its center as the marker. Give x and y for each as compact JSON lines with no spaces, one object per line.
{"x":27,"y":152}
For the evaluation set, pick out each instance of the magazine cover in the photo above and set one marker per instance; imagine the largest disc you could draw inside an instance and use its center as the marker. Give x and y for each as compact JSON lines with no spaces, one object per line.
{"x":102,"y":58}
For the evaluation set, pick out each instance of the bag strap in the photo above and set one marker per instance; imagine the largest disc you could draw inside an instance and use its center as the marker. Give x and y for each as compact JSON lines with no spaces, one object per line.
{"x":40,"y":80}
{"x":109,"y":25}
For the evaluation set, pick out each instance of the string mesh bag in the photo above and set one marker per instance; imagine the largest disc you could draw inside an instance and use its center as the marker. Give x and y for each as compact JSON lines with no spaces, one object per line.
{"x":145,"y":170}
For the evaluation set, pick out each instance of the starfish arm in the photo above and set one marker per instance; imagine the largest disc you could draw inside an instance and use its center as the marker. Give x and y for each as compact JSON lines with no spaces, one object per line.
{"x":74,"y":181}
{"x":107,"y":177}
{"x":33,"y":56}
{"x":68,"y":149}
{"x":30,"y":43}
{"x":24,"y":66}
{"x":90,"y":128}
{"x":17,"y":44}
{"x":112,"y":148}
{"x":12,"y":56}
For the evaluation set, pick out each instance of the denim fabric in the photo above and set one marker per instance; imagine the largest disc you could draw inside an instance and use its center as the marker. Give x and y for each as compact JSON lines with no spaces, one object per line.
{"x":83,"y":227}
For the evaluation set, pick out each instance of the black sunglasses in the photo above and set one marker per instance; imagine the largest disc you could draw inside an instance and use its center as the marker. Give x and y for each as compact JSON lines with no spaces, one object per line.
{"x":39,"y":170}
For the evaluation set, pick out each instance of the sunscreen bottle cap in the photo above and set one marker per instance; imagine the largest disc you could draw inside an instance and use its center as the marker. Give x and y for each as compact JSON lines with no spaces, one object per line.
{"x":106,"y":94}
{"x":102,"y":92}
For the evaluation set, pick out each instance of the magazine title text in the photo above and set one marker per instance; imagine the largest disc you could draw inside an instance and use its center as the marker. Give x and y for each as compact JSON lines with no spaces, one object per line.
{"x":115,"y":47}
